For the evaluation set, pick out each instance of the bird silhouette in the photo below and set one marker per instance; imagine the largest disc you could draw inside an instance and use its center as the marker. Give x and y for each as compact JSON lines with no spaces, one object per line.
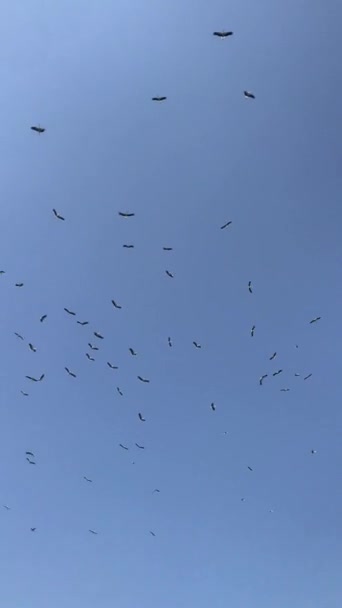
{"x":19,"y":284}
{"x":42,"y":318}
{"x":88,"y":480}
{"x":33,"y":348}
{"x":133,"y":353}
{"x":196,"y":344}
{"x":250,"y":287}
{"x":18,"y":335}
{"x":142,"y":379}
{"x":92,"y":347}
{"x":163,"y":98}
{"x":226,"y":225}
{"x":315,"y":319}
{"x":249,"y":95}
{"x":169,"y":274}
{"x":141,"y":417}
{"x":273,"y":356}
{"x":82,"y":322}
{"x":308,"y":376}
{"x":123,"y":214}
{"x":97,"y":335}
{"x":112,"y":366}
{"x":119,"y":391}
{"x":70,"y":312}
{"x":262,"y":378}
{"x":141,"y":447}
{"x":56,"y":214}
{"x":123,"y":446}
{"x":72,"y":374}
{"x":38,"y":129}
{"x":252,"y":331}
{"x":167,"y":248}
{"x":89,"y":357}
{"x":222,"y":34}
{"x":169,"y":341}
{"x":116,"y":305}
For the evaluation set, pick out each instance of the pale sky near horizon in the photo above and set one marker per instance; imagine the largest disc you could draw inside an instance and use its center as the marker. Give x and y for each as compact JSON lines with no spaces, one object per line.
{"x":224,"y":535}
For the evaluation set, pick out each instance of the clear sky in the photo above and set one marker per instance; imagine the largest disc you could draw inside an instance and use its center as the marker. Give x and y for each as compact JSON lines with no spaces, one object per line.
{"x":87,"y":72}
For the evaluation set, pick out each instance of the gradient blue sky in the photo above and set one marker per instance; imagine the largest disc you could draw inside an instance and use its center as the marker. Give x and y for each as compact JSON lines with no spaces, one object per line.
{"x":87,"y":71}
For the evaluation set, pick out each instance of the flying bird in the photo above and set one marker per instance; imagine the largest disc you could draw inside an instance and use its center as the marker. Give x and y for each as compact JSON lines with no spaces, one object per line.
{"x":313,"y":451}
{"x":70,"y":312}
{"x":35,"y":379}
{"x":93,"y":532}
{"x":115,"y":304}
{"x":128,"y":246}
{"x":225,"y":225}
{"x":38,"y":129}
{"x":250,"y":287}
{"x":152,"y":533}
{"x":142,"y":379}
{"x":297,"y":375}
{"x":92,"y":347}
{"x":69,"y":372}
{"x":25,"y":394}
{"x":249,"y":94}
{"x":97,"y":335}
{"x":169,"y":274}
{"x":284,"y":390}
{"x":169,"y":341}
{"x":262,"y":378}
{"x":6,"y":507}
{"x":222,"y":34}
{"x":308,"y":376}
{"x":252,"y":331}
{"x":42,"y":318}
{"x":29,"y":454}
{"x":213,"y":406}
{"x":82,"y":322}
{"x":167,"y":248}
{"x":123,"y":214}
{"x":119,"y":391}
{"x":141,"y":417}
{"x":123,"y":446}
{"x":19,"y":284}
{"x":33,"y":529}
{"x":272,"y":357}
{"x":33,"y":348}
{"x":250,"y":468}
{"x":18,"y":335}
{"x":141,"y":447}
{"x":112,"y":366}
{"x":87,"y":479}
{"x":56,"y":214}
{"x":133,"y":353}
{"x":30,"y":461}
{"x":315,"y":320}
{"x":277,"y":372}
{"x":196,"y":344}
{"x":2,"y":271}
{"x":163,"y":98}
{"x":156,"y":490}
{"x":89,"y":357}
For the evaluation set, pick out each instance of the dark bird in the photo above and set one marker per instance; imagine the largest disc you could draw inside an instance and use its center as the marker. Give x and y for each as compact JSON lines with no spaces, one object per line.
{"x":123,"y":446}
{"x":252,"y":331}
{"x":169,"y":274}
{"x":89,"y":480}
{"x":133,"y":353}
{"x":112,"y":366}
{"x":42,"y":318}
{"x":262,"y":378}
{"x":18,"y":335}
{"x":19,"y":284}
{"x":141,"y":447}
{"x":116,"y":305}
{"x":59,"y":217}
{"x":313,"y":451}
{"x":169,"y":341}
{"x":249,"y":95}
{"x":92,"y":347}
{"x":126,"y":214}
{"x":89,"y":357}
{"x":2,"y":271}
{"x":38,"y":129}
{"x":69,"y":372}
{"x":82,"y":322}
{"x":35,"y":379}
{"x":142,"y":379}
{"x":225,"y":225}
{"x":315,"y":320}
{"x":141,"y":417}
{"x":277,"y":372}
{"x":297,"y":375}
{"x":33,"y":529}
{"x":250,"y":287}
{"x":222,"y":34}
{"x":93,"y":532}
{"x":250,"y":468}
{"x":119,"y":391}
{"x":196,"y":344}
{"x":33,"y":348}
{"x":156,"y":490}
{"x":70,"y":312}
{"x":272,"y":357}
{"x":97,"y":335}
{"x":159,"y":98}
{"x":29,"y":454}
{"x":25,"y":394}
{"x":308,"y":376}
{"x":6,"y":507}
{"x":128,"y":246}
{"x":167,"y":248}
{"x":152,"y":533}
{"x":284,"y":390}
{"x":30,"y":461}
{"x":213,"y":406}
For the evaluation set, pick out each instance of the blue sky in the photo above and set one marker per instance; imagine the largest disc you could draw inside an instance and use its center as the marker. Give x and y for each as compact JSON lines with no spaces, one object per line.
{"x":87,"y":71}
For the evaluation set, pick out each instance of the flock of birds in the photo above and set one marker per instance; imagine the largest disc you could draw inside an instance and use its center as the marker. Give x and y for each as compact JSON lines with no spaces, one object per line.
{"x":97,"y":337}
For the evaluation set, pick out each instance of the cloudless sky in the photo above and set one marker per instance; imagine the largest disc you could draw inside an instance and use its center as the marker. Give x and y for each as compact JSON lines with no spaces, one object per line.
{"x":87,"y":72}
